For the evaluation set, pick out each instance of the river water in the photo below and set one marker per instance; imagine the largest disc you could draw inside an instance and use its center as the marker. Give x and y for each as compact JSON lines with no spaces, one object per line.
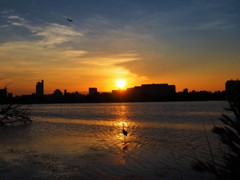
{"x":85,"y":141}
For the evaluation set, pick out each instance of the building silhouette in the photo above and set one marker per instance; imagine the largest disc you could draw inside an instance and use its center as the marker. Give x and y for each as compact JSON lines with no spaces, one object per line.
{"x":232,"y":88}
{"x":40,"y":88}
{"x":57,"y":93}
{"x":160,"y":90}
{"x":92,"y":91}
{"x":3,"y":93}
{"x":185,"y":91}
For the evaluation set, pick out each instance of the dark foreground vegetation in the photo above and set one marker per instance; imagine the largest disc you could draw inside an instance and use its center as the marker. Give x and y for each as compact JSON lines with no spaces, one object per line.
{"x":14,"y":114}
{"x":229,"y":135}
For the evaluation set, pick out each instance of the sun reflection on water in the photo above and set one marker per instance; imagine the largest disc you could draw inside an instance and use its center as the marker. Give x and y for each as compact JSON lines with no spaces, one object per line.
{"x":125,"y":144}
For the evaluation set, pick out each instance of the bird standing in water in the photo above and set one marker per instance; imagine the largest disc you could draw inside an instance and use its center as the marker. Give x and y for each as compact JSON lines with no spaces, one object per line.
{"x":125,"y":133}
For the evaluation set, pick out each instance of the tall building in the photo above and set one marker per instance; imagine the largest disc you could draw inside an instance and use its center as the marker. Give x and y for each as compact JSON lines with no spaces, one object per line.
{"x":232,"y":88}
{"x":3,"y":93}
{"x":40,"y":88}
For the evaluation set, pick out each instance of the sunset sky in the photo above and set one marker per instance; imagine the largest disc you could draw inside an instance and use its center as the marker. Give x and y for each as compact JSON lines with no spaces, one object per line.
{"x":193,"y":44}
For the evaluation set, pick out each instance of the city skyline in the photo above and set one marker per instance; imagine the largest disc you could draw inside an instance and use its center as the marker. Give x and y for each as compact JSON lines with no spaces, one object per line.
{"x":144,"y":93}
{"x":75,"y":45}
{"x":86,"y":91}
{"x":39,"y":89}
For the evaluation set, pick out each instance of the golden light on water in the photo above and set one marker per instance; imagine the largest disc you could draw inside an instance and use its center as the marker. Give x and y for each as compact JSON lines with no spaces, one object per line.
{"x":119,"y":126}
{"x":106,"y":134}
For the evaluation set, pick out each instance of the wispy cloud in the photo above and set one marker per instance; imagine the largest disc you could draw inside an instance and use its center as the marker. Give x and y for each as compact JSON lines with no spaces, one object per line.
{"x":55,"y":34}
{"x":110,"y":59}
{"x":15,"y":20}
{"x":73,"y":54}
{"x":213,"y":25}
{"x":14,"y":17}
{"x":49,"y":34}
{"x":4,"y":26}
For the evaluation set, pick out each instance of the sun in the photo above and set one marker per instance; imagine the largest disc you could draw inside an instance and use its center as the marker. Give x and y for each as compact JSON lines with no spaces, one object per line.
{"x":120,"y":83}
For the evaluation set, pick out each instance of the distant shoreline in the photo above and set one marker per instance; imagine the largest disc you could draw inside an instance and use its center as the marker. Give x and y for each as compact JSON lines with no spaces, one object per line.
{"x":119,"y":96}
{"x":97,"y":102}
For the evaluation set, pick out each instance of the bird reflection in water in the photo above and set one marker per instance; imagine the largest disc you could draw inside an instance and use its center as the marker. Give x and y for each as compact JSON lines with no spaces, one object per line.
{"x":124,"y":153}
{"x":127,"y":140}
{"x":125,"y":133}
{"x":124,"y":146}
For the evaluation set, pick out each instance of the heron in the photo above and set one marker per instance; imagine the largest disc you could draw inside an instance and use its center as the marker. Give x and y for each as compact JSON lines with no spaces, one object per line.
{"x":125,"y":133}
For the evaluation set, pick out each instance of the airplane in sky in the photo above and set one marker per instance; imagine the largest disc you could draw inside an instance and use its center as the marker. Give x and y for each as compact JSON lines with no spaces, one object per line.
{"x":70,"y":20}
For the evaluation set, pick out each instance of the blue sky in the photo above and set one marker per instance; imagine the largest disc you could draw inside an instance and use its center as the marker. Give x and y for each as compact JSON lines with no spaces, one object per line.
{"x":192,"y":44}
